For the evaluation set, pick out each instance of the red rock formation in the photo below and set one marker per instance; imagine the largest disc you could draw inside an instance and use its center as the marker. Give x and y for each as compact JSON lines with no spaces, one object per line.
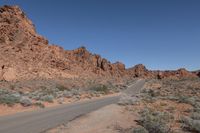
{"x":26,"y":55}
{"x":176,"y":74}
{"x":140,"y":71}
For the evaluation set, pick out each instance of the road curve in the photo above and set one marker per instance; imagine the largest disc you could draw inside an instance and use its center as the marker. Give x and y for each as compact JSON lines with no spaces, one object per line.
{"x":43,"y":119}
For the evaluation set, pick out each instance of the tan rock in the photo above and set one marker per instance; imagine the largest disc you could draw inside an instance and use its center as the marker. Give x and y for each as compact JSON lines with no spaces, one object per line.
{"x":10,"y":74}
{"x":1,"y":74}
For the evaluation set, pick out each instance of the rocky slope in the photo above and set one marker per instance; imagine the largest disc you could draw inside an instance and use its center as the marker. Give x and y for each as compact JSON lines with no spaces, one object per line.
{"x":26,"y":55}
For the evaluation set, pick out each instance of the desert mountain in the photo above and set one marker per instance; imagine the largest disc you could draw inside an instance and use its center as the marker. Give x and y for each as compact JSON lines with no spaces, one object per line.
{"x":25,"y":55}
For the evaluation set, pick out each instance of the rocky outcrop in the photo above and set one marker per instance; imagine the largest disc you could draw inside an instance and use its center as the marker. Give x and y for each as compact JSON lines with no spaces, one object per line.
{"x":176,"y":74}
{"x":140,"y":71}
{"x":32,"y":56}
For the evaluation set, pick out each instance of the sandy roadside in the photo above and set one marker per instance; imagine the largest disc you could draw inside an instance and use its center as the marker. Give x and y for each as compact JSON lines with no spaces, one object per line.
{"x":7,"y":110}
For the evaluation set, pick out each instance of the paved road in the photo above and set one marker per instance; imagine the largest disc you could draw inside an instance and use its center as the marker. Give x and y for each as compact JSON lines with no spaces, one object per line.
{"x":41,"y":120}
{"x":135,"y":88}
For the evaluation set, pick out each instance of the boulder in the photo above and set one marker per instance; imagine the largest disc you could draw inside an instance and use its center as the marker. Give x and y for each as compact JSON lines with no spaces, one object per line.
{"x":10,"y":74}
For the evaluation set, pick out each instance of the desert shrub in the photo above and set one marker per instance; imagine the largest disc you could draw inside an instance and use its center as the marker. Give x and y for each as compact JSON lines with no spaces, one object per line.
{"x":25,"y":101}
{"x":101,"y":88}
{"x":67,"y":94}
{"x":154,"y":121}
{"x":195,"y":116}
{"x":75,"y":92}
{"x":12,"y":87}
{"x":194,"y":101}
{"x":150,"y":94}
{"x":187,"y":99}
{"x":140,"y":130}
{"x":171,"y":97}
{"x":9,"y":99}
{"x":153,"y":93}
{"x":196,"y":110}
{"x":47,"y":98}
{"x":61,"y":87}
{"x":190,"y":124}
{"x":43,"y":93}
{"x":4,"y":91}
{"x":50,"y":92}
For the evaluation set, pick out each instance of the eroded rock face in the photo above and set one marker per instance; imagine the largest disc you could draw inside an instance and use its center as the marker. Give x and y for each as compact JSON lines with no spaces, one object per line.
{"x":32,"y":56}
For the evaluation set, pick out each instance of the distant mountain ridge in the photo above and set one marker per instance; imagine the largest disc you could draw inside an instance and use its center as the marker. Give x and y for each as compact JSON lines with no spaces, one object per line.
{"x":25,"y":55}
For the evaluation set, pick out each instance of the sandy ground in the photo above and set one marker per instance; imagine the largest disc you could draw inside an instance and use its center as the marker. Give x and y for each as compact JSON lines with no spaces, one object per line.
{"x":109,"y":119}
{"x":7,"y":110}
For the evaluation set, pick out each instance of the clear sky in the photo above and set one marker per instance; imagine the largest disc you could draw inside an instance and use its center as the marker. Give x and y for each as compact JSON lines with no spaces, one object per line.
{"x":161,"y":34}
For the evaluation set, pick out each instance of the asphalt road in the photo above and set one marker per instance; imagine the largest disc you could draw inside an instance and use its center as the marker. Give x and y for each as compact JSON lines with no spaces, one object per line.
{"x":43,"y":119}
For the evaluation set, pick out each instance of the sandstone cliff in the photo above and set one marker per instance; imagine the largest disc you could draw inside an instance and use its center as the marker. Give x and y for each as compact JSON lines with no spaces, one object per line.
{"x":26,"y":55}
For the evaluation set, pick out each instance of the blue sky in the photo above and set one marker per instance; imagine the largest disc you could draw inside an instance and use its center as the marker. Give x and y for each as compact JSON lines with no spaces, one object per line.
{"x":161,"y":34}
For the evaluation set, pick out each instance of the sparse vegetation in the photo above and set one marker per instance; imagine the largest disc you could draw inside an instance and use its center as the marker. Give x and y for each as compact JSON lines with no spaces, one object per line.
{"x":190,"y":124}
{"x":47,"y":98}
{"x":61,"y":87}
{"x":155,"y":121}
{"x":7,"y":98}
{"x":140,"y":130}
{"x":101,"y":88}
{"x":183,"y":93}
